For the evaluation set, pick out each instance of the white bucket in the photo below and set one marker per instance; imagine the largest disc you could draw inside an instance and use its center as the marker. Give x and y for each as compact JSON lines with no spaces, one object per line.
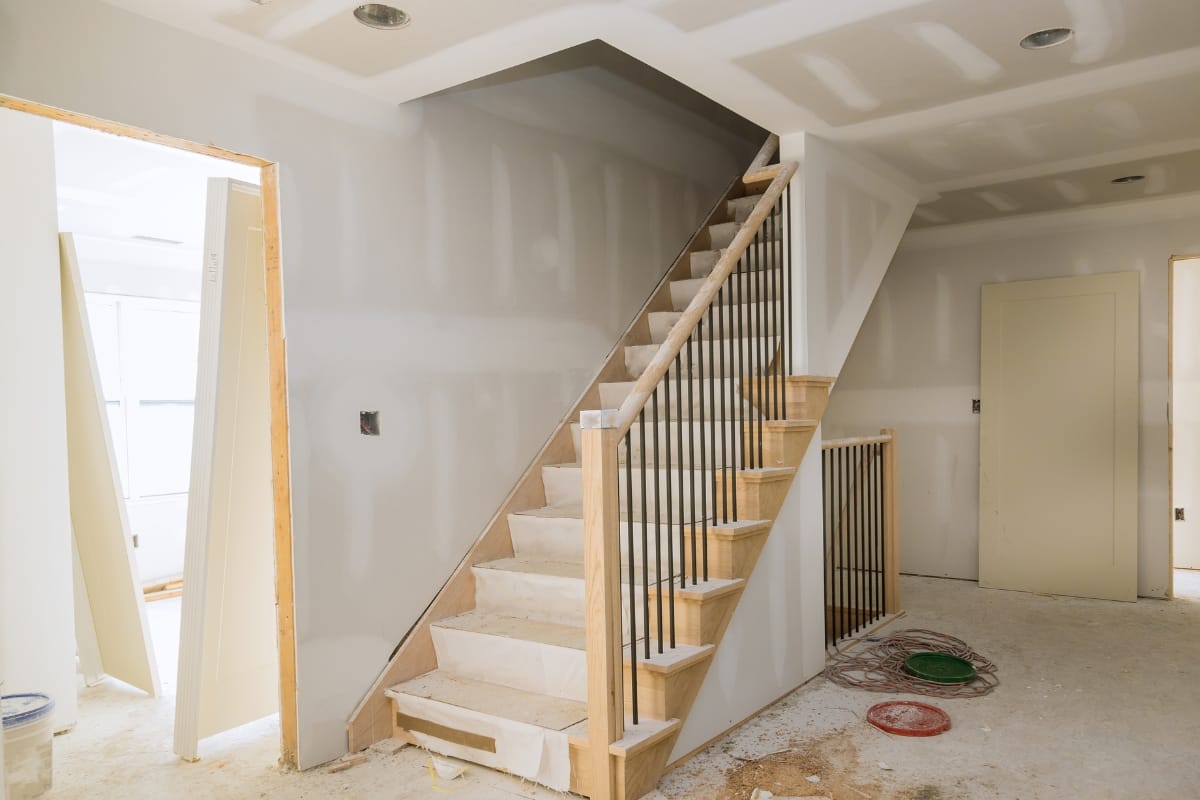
{"x":28,"y":744}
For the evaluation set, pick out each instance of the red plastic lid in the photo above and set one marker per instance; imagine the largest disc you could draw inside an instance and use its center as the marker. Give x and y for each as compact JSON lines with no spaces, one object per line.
{"x":908,"y":718}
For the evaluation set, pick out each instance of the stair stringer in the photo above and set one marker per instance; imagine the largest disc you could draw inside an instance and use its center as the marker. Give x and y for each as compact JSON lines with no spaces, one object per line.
{"x":641,"y":767}
{"x":372,"y":720}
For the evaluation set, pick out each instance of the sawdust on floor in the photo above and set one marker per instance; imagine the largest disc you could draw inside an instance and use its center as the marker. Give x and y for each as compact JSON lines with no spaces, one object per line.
{"x":833,"y":758}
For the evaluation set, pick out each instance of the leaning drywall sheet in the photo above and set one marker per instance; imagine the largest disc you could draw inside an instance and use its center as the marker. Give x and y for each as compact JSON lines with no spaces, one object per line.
{"x":118,"y":607}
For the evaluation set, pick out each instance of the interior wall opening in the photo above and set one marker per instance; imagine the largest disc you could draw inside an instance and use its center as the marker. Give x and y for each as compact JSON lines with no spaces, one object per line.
{"x":1184,"y":424}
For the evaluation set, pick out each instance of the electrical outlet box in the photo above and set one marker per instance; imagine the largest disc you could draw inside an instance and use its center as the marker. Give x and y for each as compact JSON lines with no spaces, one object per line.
{"x":1179,"y":515}
{"x":975,"y":406}
{"x":368,"y":423}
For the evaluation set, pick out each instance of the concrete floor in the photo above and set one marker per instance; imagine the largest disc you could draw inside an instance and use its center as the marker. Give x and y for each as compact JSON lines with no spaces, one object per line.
{"x":1097,"y":700}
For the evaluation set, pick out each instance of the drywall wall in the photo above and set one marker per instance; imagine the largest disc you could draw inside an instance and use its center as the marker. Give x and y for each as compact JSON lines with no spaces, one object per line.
{"x":461,"y":271}
{"x":855,"y":210}
{"x":847,"y":217}
{"x":1185,"y":412}
{"x":37,"y":615}
{"x":915,"y":367}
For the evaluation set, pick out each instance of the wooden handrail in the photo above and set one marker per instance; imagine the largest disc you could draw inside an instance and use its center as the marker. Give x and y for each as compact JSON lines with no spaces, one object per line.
{"x":769,"y":148}
{"x":682,"y":331}
{"x":831,"y":444}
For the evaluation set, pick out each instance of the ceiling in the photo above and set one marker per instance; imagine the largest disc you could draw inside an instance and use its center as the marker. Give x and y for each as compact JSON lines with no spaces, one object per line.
{"x":939,"y":89}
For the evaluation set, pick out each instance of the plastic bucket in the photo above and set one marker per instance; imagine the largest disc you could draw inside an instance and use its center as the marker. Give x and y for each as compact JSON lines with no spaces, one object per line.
{"x":28,"y":744}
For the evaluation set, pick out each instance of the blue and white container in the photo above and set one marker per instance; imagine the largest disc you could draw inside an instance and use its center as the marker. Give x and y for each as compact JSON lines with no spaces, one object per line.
{"x":28,"y":744}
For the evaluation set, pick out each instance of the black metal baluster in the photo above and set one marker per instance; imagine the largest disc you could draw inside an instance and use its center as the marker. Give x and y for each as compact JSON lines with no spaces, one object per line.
{"x":760,"y":370}
{"x":724,"y":418}
{"x":645,"y":538}
{"x":826,"y":527}
{"x":679,"y":470}
{"x":879,"y":524}
{"x":712,"y":410}
{"x":862,"y":532}
{"x":659,"y":471}
{"x":845,"y":538}
{"x":695,"y":369}
{"x":777,"y":313}
{"x":657,"y":524}
{"x":632,"y":577}
{"x":735,"y":388}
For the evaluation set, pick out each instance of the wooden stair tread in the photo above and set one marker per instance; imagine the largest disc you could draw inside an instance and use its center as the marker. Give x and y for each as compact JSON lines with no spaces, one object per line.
{"x":531,"y":565}
{"x":530,"y":708}
{"x":489,"y":624}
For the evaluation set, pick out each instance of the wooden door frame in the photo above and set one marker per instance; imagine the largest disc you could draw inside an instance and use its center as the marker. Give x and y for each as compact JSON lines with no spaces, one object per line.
{"x":1171,"y":419}
{"x":277,"y":364}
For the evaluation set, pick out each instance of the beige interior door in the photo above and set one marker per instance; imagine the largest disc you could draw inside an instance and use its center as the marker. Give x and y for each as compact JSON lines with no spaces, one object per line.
{"x":1185,"y":411}
{"x":1058,"y":440}
{"x":111,"y":595}
{"x":228,"y":652}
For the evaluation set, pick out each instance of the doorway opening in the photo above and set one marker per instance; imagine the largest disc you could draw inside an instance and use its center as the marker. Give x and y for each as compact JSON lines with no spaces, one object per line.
{"x":139,"y":209}
{"x":1183,"y":423}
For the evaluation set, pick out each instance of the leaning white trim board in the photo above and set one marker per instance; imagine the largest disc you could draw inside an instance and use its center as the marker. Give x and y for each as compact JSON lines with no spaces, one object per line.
{"x":228,"y":649}
{"x":102,"y":537}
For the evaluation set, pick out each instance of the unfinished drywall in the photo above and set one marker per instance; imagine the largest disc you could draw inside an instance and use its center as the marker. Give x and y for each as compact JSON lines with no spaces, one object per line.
{"x":37,"y":616}
{"x":460,"y":271}
{"x":915,"y":367}
{"x":847,"y":217}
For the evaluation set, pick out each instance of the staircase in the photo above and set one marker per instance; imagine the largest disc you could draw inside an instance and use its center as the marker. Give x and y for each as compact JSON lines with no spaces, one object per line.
{"x":592,"y":605}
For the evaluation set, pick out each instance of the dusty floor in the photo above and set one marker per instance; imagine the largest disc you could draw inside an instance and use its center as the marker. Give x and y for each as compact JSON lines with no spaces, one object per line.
{"x":1097,"y":700}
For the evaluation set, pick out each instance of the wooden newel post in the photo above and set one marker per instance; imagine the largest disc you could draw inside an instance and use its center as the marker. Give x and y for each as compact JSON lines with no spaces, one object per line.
{"x":602,"y":596}
{"x":891,"y":522}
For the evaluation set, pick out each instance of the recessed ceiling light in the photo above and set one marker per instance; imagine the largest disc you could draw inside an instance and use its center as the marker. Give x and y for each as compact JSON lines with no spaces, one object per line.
{"x":1129,"y":179}
{"x":379,"y":15}
{"x":1048,"y":37}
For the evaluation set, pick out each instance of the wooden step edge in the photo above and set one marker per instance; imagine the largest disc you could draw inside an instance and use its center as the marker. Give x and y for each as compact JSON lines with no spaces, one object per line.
{"x":741,"y":529}
{"x":637,"y":738}
{"x":790,"y":424}
{"x":812,"y":380}
{"x":766,"y":474}
{"x":669,"y":663}
{"x":634,"y":743}
{"x":704,"y":594}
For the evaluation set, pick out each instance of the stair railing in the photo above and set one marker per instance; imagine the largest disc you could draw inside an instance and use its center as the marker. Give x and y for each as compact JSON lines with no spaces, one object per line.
{"x":733,"y":341}
{"x":861,"y":563}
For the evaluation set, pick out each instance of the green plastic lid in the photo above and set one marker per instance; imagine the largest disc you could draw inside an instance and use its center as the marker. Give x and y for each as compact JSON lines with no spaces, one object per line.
{"x":939,"y":667}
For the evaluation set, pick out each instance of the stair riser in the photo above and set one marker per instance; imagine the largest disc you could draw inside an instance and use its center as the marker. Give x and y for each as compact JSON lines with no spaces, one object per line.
{"x":562,"y":539}
{"x":722,"y":234}
{"x":698,"y":621}
{"x":529,"y":595}
{"x":516,"y":663}
{"x":740,"y":209}
{"x":757,"y":499}
{"x":612,"y":395}
{"x":757,"y":256}
{"x":564,"y":485}
{"x":509,"y":739}
{"x":661,"y":323}
{"x":755,"y":357}
{"x":740,"y":288}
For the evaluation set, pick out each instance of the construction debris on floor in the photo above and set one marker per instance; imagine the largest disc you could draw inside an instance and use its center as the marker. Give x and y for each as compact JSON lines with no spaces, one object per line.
{"x":896,"y":664}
